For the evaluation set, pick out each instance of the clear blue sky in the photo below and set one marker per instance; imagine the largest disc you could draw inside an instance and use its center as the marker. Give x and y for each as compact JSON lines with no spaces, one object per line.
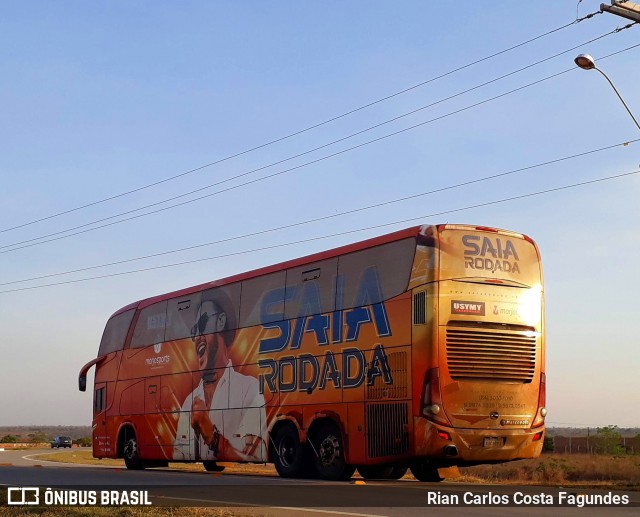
{"x":98,"y":99}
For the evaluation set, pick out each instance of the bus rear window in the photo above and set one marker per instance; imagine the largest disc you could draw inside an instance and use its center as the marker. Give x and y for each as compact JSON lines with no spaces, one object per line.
{"x":115,"y":333}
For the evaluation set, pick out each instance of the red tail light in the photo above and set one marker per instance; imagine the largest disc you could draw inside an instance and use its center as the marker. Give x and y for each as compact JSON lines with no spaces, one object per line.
{"x":542,"y":402}
{"x":432,"y":407}
{"x":537,"y":436}
{"x":444,"y":435}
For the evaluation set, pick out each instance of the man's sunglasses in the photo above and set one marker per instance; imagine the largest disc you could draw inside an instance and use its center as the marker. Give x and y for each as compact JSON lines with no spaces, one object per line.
{"x":200,"y":326}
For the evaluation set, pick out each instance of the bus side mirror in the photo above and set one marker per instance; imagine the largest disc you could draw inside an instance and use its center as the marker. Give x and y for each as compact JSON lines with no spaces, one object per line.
{"x":82,"y":383}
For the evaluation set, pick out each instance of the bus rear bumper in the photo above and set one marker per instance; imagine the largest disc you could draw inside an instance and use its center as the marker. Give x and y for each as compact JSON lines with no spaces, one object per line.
{"x":473,"y":446}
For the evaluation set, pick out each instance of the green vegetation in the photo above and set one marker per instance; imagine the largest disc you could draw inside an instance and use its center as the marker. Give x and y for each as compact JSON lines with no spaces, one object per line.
{"x":9,"y":438}
{"x":608,"y":440}
{"x":38,"y":437}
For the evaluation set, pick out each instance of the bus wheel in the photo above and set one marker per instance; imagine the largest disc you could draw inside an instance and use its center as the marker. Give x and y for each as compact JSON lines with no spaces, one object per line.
{"x":288,"y":452}
{"x":426,"y":471}
{"x":330,"y":461}
{"x":375,"y":471}
{"x":212,"y":466}
{"x":130,"y":453}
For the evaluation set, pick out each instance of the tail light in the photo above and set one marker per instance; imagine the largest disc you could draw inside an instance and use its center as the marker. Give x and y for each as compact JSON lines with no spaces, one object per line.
{"x":542,"y":402}
{"x":432,"y":400}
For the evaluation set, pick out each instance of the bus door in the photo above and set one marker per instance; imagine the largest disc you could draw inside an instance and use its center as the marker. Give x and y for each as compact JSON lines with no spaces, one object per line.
{"x":100,"y":441}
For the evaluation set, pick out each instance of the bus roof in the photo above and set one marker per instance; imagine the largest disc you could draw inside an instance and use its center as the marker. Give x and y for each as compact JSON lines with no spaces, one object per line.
{"x":413,"y":231}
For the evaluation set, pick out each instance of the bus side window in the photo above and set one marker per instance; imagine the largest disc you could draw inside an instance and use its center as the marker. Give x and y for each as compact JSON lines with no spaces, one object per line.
{"x":181,"y":315}
{"x":262,"y":299}
{"x":150,"y":326}
{"x":115,"y":333}
{"x":100,"y":400}
{"x":374,"y":275}
{"x":311,"y":289}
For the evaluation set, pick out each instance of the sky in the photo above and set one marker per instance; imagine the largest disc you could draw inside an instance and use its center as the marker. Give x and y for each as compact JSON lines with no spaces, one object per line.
{"x":99,"y":99}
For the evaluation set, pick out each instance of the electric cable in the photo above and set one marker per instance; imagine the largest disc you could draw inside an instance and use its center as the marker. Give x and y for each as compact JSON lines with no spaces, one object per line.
{"x":330,"y":216}
{"x":30,"y":242}
{"x":339,"y":234}
{"x":309,"y":128}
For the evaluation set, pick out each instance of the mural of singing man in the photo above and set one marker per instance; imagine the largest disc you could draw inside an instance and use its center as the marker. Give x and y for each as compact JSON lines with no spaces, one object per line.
{"x":224,"y":417}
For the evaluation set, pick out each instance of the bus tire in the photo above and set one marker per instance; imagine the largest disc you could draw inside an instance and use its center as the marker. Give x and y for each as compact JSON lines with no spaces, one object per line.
{"x":426,"y":471}
{"x":330,"y":460}
{"x":375,"y":471}
{"x":288,"y":454}
{"x":130,"y":454}
{"x":212,"y":466}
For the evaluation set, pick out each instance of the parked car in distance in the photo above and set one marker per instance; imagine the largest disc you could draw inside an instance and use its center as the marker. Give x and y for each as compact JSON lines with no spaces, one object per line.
{"x":61,"y":441}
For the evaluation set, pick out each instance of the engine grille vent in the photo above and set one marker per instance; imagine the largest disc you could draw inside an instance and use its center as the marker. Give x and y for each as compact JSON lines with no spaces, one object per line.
{"x":491,"y":355}
{"x":397,"y":362}
{"x":387,"y":429}
{"x":420,"y":308}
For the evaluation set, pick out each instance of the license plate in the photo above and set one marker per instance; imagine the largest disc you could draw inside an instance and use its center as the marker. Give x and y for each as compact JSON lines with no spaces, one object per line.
{"x":492,"y":441}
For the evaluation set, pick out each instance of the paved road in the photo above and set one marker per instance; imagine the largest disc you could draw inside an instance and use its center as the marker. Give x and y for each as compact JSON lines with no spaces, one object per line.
{"x":276,"y":496}
{"x":25,"y":458}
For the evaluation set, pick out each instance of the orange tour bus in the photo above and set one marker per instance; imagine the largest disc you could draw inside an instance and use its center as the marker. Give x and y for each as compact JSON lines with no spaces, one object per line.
{"x":419,"y":349}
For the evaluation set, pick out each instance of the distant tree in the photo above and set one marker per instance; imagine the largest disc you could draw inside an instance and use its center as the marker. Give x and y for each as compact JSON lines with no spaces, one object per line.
{"x":38,"y":437}
{"x":608,"y":440}
{"x":83,"y":442}
{"x":9,"y":438}
{"x":547,"y":446}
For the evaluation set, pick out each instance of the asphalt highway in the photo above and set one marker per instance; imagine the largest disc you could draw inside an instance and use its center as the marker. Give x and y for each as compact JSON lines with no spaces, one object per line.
{"x":264,"y":495}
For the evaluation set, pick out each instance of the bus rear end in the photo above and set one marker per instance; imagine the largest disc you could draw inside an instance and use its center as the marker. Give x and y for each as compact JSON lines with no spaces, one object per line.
{"x":483,"y":394}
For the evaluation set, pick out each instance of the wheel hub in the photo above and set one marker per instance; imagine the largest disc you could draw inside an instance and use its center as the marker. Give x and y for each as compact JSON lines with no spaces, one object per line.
{"x":287,"y":452}
{"x":329,"y":450}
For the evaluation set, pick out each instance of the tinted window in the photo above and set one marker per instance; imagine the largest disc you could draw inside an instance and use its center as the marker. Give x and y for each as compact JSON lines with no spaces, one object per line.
{"x":99,"y":402}
{"x":375,"y":274}
{"x":217,"y":302}
{"x":150,"y":325}
{"x":115,"y":333}
{"x":181,"y":316}
{"x":311,"y":289}
{"x":263,"y":299}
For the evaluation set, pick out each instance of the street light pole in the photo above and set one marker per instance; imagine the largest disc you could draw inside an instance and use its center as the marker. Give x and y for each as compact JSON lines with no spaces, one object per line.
{"x":586,"y":62}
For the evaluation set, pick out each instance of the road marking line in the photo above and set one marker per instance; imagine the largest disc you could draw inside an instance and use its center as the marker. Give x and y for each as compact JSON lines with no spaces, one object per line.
{"x":29,"y":457}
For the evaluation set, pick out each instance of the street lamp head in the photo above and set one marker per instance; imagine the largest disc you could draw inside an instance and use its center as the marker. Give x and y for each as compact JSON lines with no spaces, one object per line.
{"x":585,"y":61}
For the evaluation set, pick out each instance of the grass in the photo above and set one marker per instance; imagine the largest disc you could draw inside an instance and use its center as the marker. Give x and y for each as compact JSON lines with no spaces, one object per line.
{"x":562,"y":469}
{"x":158,"y":511}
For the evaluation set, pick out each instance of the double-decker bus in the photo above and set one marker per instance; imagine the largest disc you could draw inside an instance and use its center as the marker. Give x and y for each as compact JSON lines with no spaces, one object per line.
{"x":419,"y":349}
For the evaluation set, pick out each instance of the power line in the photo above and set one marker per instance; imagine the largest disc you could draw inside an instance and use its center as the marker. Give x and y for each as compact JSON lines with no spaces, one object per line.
{"x":30,"y":242}
{"x":332,"y":216}
{"x":352,"y":135}
{"x":309,"y":128}
{"x":348,"y":232}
